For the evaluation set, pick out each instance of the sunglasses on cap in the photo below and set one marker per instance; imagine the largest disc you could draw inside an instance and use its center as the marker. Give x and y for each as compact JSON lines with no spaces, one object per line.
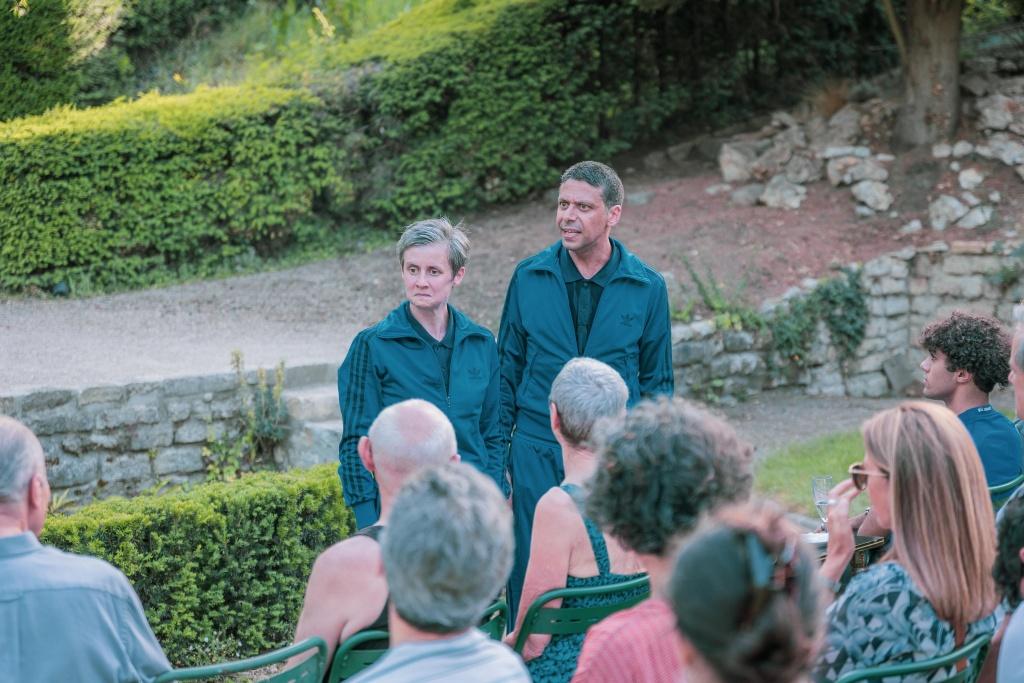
{"x":859,"y":475}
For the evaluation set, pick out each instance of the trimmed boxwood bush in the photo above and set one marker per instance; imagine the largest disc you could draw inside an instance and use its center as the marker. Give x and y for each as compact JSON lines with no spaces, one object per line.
{"x":221,"y":569}
{"x":126,"y":193}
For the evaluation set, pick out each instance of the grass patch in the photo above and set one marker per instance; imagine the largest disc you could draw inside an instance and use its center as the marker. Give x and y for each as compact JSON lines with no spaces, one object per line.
{"x":785,"y":475}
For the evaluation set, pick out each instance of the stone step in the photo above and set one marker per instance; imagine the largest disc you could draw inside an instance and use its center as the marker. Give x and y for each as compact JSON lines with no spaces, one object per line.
{"x":310,"y":443}
{"x":317,"y":403}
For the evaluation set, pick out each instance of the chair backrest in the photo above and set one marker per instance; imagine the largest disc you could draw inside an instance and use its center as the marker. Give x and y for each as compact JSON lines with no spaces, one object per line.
{"x":348,"y":661}
{"x":310,"y":670}
{"x":568,"y":620}
{"x":495,"y":620}
{"x":977,"y":648}
{"x":1001,"y":493}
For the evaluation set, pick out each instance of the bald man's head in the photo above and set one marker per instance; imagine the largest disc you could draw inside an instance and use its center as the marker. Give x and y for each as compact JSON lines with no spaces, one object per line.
{"x":408,"y":436}
{"x":21,"y":457}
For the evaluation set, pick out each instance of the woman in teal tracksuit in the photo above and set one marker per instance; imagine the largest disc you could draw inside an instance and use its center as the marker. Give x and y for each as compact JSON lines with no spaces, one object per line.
{"x":424,"y":349}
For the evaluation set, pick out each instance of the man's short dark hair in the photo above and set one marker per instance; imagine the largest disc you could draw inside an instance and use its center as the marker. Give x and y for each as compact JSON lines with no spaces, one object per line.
{"x":1008,"y":569}
{"x":663,"y":467}
{"x":598,"y":175}
{"x":975,"y":343}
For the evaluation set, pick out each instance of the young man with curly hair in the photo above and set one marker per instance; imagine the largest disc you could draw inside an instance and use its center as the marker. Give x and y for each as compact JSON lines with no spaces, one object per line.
{"x":969,"y":356}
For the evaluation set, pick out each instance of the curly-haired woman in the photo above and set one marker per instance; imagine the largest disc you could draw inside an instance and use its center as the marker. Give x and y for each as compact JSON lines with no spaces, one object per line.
{"x":659,"y":471}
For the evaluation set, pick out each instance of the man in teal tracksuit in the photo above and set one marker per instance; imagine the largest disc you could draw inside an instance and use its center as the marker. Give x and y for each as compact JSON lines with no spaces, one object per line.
{"x":585,"y":295}
{"x":392,"y":361}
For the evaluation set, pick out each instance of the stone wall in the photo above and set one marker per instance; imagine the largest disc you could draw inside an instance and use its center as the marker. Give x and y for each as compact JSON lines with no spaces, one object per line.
{"x":905,"y":291}
{"x":120,"y":440}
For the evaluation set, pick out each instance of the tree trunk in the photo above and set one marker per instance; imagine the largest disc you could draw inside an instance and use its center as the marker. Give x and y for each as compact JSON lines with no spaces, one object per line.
{"x":931,"y":92}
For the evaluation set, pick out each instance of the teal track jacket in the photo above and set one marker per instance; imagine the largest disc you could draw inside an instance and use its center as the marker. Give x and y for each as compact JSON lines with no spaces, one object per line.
{"x":389,"y":363}
{"x":631,"y":332}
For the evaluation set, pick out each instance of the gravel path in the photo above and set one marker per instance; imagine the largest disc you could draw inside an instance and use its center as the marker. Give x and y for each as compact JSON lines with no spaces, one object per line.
{"x":309,"y":314}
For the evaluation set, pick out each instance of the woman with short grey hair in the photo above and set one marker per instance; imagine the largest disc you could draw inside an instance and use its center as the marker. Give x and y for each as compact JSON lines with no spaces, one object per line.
{"x":427,"y":349}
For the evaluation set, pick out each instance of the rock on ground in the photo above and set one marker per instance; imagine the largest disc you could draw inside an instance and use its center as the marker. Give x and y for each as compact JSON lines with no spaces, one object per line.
{"x":975,"y":218}
{"x":747,"y":195}
{"x":970,"y":178}
{"x":782,"y":194}
{"x":944,"y":211}
{"x":874,"y":194}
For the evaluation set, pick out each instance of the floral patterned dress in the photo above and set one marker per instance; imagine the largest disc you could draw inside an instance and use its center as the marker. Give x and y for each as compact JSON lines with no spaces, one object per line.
{"x":883,"y":618}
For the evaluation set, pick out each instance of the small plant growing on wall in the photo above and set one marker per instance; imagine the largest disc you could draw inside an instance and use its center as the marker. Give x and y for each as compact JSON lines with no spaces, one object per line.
{"x":263,"y":424}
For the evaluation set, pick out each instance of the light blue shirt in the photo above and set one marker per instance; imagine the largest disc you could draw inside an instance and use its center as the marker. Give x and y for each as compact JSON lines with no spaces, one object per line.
{"x":1010,"y":668}
{"x":66,"y":617}
{"x":470,"y":657}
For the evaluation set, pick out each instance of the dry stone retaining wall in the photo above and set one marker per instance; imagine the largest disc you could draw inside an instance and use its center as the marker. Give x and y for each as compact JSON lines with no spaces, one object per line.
{"x":905,"y":291}
{"x":121,"y":440}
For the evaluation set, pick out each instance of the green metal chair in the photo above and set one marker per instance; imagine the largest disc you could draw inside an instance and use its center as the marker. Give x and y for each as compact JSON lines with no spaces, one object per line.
{"x":1001,"y":493}
{"x":495,"y":620}
{"x":570,"y":620}
{"x":349,"y":661}
{"x":310,"y":670}
{"x":977,"y":648}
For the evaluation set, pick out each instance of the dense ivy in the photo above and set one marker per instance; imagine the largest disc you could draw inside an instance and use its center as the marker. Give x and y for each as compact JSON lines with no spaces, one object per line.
{"x":221,"y":569}
{"x":840,"y":303}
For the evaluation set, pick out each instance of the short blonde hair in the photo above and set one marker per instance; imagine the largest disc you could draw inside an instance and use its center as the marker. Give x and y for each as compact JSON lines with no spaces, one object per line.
{"x":941,"y":514}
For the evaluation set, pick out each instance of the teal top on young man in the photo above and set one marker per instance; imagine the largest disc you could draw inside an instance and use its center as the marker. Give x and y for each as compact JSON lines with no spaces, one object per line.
{"x":998,"y":442}
{"x":392,"y":362}
{"x":630,"y":331}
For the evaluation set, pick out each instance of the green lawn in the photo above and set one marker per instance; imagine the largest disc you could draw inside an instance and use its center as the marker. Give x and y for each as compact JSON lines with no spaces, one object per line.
{"x":785,"y":475}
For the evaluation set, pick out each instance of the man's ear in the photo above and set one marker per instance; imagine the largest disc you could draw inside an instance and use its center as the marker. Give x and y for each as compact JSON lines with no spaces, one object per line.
{"x":365,"y":450}
{"x":963,"y":377}
{"x":614,"y":214}
{"x":38,"y":493}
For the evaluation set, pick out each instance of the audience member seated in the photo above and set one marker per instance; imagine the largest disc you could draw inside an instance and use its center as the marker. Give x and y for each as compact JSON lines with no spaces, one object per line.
{"x":747,"y":599}
{"x":1009,"y":576}
{"x":567,"y":549}
{"x":933,"y":590}
{"x":447,"y":551}
{"x":346,"y":591}
{"x":657,"y":473}
{"x":63,"y":617}
{"x":1017,"y":382}
{"x":968,"y":356}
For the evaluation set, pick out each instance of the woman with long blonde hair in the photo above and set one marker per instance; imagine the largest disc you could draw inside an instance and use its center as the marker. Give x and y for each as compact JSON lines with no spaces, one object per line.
{"x":933,"y":591}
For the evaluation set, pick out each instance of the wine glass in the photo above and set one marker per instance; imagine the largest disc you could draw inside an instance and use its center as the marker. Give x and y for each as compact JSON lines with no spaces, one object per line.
{"x":820,"y":486}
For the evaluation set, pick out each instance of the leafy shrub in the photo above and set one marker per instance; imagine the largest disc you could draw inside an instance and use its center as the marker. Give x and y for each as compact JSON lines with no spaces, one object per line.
{"x":455,"y":104}
{"x":220,"y":569}
{"x":124,"y":194}
{"x":85,"y":52}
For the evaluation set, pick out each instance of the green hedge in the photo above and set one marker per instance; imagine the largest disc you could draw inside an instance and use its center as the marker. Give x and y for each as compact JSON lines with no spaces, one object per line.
{"x":456,"y":104}
{"x":220,"y":569}
{"x":127,"y":193}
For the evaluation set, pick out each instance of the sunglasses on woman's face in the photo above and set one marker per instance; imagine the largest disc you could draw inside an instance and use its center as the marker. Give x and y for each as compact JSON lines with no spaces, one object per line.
{"x":859,"y":474}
